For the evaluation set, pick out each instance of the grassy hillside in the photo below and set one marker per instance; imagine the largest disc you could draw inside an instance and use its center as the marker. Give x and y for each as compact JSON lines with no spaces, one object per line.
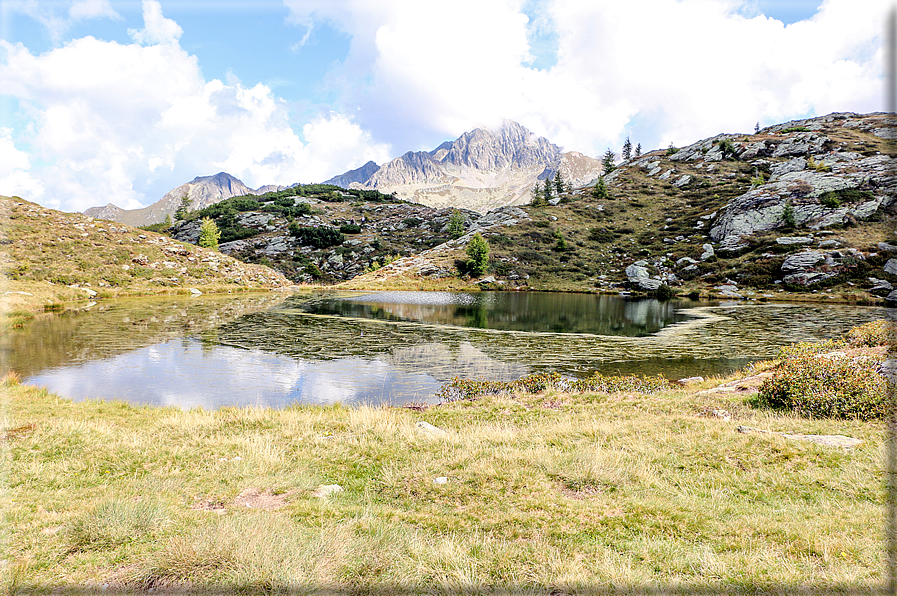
{"x":49,"y":257}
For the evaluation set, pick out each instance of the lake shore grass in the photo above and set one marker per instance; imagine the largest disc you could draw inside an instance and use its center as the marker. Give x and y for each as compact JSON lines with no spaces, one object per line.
{"x":546,"y":493}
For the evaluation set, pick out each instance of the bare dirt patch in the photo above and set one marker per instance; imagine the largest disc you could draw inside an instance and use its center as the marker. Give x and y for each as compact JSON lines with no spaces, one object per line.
{"x":254,"y":498}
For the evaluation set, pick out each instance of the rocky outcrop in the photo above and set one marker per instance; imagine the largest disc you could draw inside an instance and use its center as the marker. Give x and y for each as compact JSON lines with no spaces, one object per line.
{"x":358,"y":175}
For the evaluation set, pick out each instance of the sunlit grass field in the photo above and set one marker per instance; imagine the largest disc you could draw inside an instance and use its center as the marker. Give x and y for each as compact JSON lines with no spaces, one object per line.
{"x":547,"y":493}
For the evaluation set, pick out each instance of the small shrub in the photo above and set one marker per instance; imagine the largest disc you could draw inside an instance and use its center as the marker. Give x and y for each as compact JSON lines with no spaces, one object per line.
{"x":788,"y":216}
{"x":818,"y":386}
{"x":477,"y":254}
{"x":795,"y":129}
{"x":412,"y":222}
{"x":876,"y":333}
{"x":321,"y":237}
{"x":350,"y":229}
{"x":829,"y":200}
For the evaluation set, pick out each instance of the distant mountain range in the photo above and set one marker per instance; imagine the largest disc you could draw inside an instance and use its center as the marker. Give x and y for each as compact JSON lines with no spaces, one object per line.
{"x":481,"y":170}
{"x":202,"y":192}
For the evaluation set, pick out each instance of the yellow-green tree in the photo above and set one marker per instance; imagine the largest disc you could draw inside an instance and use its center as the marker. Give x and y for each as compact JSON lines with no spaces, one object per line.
{"x":209,"y":234}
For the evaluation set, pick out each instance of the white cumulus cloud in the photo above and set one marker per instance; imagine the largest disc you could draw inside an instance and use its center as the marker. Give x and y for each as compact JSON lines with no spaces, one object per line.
{"x":125,"y":123}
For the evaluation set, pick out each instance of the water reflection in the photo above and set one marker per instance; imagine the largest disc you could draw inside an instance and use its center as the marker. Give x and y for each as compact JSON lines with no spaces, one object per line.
{"x":550,"y":312}
{"x":389,"y":347}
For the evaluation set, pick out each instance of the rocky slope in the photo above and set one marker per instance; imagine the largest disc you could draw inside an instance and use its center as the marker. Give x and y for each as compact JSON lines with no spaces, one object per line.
{"x":798,"y":208}
{"x":481,"y":170}
{"x":202,"y":192}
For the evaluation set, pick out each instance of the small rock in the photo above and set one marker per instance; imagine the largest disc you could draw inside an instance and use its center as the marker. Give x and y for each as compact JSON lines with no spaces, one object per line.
{"x":325,"y":490}
{"x":440,"y":480}
{"x":688,"y":380}
{"x":427,"y":427}
{"x":786,"y":240}
{"x":195,"y":292}
{"x":708,"y":252}
{"x":885,"y":247}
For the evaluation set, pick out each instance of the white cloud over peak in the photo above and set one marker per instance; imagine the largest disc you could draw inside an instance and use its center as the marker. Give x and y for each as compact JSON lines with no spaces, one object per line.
{"x":684,"y":69}
{"x":92,"y":9}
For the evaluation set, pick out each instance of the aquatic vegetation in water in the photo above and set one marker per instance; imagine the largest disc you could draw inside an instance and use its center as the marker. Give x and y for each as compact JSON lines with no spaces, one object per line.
{"x":458,"y":389}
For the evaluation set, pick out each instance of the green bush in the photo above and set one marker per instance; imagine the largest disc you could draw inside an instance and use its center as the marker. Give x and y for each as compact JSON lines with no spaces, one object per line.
{"x":350,"y":229}
{"x":818,"y":386}
{"x":477,"y":254}
{"x":321,"y":237}
{"x":796,"y":129}
{"x":829,"y":200}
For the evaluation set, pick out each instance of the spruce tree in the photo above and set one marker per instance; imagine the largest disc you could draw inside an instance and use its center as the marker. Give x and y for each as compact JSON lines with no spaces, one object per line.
{"x":756,"y":128}
{"x":627,"y":150}
{"x":536,"y":194}
{"x":638,"y":150}
{"x":456,"y":225}
{"x":608,"y":162}
{"x":184,"y":209}
{"x":558,"y":183}
{"x":546,"y":194}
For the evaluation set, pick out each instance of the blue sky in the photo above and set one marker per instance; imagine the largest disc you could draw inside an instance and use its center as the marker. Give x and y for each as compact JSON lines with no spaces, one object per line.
{"x":120,"y":101}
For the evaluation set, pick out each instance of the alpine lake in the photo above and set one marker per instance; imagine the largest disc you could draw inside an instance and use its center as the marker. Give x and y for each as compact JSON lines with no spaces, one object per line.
{"x":391,"y":348}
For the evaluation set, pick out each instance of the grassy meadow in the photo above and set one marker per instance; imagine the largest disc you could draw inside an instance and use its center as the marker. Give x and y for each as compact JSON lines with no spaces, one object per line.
{"x":538,"y":493}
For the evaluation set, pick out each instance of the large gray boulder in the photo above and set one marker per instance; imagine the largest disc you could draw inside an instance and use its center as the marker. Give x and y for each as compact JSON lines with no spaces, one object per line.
{"x":802,"y":261}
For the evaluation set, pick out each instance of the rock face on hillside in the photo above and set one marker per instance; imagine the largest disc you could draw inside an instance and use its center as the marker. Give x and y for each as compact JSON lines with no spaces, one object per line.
{"x":202,"y":192}
{"x":360,"y":175}
{"x":480,"y":170}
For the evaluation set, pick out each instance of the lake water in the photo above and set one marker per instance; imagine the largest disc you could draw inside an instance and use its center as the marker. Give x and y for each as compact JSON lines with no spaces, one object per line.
{"x":391,"y":347}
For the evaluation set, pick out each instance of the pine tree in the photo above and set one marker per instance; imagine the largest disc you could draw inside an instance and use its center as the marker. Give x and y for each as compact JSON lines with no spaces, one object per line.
{"x":638,"y":150}
{"x":477,"y":255}
{"x":608,"y":162}
{"x":627,"y":150}
{"x":546,"y":194}
{"x":756,"y":128}
{"x":558,"y":183}
{"x":167,"y":222}
{"x":209,"y":234}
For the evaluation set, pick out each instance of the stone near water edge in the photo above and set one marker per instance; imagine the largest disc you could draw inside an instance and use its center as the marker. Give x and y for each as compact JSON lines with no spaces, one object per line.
{"x":880,"y":284}
{"x":892,"y":297}
{"x":195,"y":292}
{"x":689,"y":380}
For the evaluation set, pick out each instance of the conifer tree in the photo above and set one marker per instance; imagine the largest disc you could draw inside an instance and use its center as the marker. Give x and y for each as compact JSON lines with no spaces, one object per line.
{"x":600,"y":189}
{"x":558,"y":183}
{"x":638,"y":150}
{"x":756,"y":128}
{"x":627,"y":149}
{"x":456,"y":225}
{"x":209,"y":234}
{"x":536,"y":194}
{"x":608,"y":161}
{"x":477,"y":254}
{"x":184,"y":209}
{"x":546,"y":194}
